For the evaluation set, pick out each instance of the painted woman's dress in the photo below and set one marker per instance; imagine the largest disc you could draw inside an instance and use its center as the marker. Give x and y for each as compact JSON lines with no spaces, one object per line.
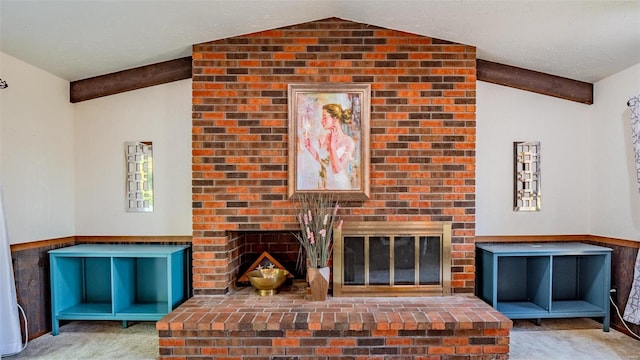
{"x":340,"y":180}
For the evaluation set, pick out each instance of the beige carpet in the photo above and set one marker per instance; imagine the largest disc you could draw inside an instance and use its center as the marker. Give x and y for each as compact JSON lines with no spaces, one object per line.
{"x":95,"y":340}
{"x":570,"y":339}
{"x":556,"y":339}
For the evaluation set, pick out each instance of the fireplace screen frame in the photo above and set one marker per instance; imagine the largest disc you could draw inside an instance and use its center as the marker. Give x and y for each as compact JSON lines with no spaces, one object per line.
{"x":404,"y":229}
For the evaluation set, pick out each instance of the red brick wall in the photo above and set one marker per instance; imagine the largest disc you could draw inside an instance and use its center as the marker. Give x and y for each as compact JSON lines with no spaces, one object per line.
{"x":306,"y":344}
{"x":422,"y":135}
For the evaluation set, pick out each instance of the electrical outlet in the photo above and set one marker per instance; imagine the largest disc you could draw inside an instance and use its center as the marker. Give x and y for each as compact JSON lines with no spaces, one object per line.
{"x":614,"y":295}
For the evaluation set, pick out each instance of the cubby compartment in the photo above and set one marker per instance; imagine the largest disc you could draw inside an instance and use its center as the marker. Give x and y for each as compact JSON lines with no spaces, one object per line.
{"x":578,"y":283}
{"x":117,"y":282}
{"x":523,"y":285}
{"x":85,"y":288}
{"x":545,"y":280}
{"x":142,"y":286}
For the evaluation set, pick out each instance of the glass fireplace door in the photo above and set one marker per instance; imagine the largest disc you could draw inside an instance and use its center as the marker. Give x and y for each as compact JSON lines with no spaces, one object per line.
{"x":381,"y":261}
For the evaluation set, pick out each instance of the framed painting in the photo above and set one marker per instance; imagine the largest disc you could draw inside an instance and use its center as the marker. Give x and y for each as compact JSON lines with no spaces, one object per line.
{"x":329,"y":139}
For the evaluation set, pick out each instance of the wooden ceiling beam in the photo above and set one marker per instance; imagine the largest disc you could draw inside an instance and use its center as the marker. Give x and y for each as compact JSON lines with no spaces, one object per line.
{"x":131,"y":79}
{"x":180,"y":69}
{"x":534,"y":81}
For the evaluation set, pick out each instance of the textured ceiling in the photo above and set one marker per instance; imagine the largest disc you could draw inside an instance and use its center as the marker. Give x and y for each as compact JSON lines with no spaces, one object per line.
{"x":582,"y":40}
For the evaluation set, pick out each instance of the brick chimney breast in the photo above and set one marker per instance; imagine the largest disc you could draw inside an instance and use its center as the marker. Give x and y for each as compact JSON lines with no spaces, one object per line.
{"x":423,"y":136}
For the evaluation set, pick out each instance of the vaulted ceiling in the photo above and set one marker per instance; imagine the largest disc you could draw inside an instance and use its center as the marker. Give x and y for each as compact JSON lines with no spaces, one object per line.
{"x":581,"y":40}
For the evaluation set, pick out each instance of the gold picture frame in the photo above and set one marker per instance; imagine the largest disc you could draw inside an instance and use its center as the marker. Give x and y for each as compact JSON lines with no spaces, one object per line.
{"x":329,"y":139}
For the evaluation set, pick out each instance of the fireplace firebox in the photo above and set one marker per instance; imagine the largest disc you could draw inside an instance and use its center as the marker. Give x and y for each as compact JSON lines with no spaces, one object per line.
{"x":371,"y":258}
{"x":392,"y":259}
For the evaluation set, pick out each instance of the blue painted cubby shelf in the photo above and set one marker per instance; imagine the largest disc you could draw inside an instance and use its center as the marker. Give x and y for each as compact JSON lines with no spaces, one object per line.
{"x":545,"y":280}
{"x":117,"y":282}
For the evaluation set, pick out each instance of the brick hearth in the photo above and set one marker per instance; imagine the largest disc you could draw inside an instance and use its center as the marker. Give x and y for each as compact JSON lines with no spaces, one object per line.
{"x":290,"y":326}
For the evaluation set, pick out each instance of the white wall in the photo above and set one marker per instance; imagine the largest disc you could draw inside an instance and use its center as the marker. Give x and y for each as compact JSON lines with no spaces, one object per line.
{"x":36,"y":153}
{"x":161,"y":114}
{"x":62,"y":165}
{"x":505,"y":115}
{"x":615,"y":199}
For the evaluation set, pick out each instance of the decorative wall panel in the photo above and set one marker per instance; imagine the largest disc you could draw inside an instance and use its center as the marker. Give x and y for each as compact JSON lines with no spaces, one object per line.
{"x":139,"y":182}
{"x":526,"y":176}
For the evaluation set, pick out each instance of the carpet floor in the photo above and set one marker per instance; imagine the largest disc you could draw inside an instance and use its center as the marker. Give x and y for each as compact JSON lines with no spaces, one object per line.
{"x":95,"y":340}
{"x":570,"y":339}
{"x":555,"y":339}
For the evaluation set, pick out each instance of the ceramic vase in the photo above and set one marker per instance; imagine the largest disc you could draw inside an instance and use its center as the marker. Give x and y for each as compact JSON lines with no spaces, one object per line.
{"x":318,"y":283}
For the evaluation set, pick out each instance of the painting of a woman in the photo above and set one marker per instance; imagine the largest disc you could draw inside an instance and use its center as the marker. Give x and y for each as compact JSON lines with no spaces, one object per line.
{"x":334,"y":150}
{"x":327,"y":140}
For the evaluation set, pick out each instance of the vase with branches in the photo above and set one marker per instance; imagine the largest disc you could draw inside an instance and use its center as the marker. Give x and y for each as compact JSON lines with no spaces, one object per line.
{"x":317,"y":217}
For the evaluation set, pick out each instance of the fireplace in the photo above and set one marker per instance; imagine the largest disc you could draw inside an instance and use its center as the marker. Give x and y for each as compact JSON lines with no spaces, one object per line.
{"x":398,"y":258}
{"x":282,"y":246}
{"x":422,"y":137}
{"x":392,"y":259}
{"x":422,"y":168}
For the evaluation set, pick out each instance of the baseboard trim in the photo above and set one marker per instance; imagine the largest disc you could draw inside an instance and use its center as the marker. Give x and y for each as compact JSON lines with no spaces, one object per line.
{"x":133,"y":239}
{"x":67,"y":240}
{"x":72,"y":240}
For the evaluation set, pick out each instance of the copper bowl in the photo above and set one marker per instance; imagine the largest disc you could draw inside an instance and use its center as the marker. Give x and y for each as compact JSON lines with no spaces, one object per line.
{"x":267,"y":281}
